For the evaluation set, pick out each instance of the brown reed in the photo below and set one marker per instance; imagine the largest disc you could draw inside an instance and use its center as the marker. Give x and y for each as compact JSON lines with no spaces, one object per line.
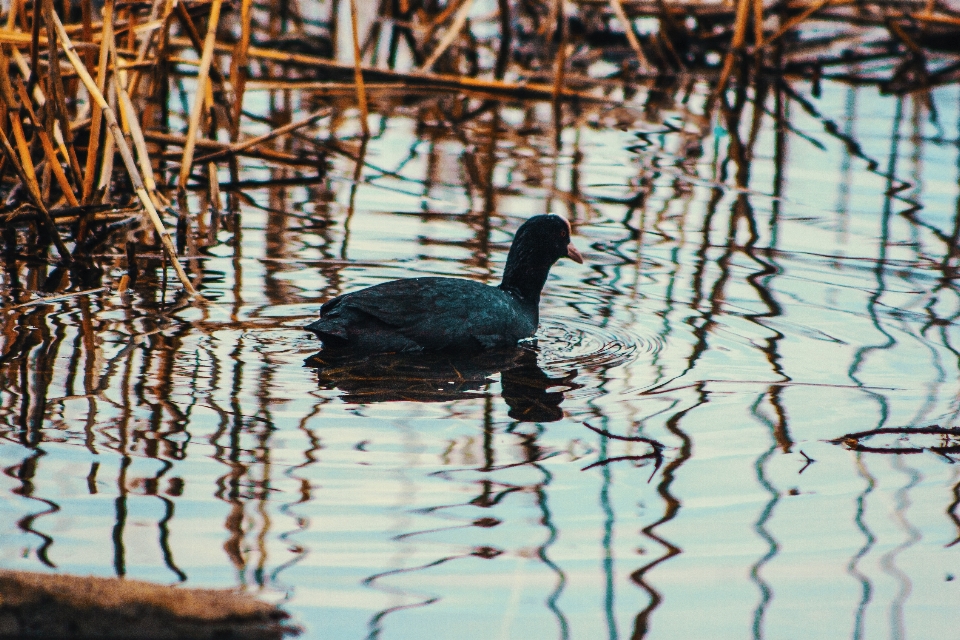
{"x":62,"y":121}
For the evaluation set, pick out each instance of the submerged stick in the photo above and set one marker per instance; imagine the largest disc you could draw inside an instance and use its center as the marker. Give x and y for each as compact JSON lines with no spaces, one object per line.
{"x":125,"y":153}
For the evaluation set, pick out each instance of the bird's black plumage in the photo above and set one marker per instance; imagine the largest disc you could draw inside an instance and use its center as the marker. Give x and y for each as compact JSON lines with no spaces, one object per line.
{"x":451,"y":314}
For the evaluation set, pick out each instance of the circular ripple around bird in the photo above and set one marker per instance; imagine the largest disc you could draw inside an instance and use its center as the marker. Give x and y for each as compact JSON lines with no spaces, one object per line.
{"x":575,"y":342}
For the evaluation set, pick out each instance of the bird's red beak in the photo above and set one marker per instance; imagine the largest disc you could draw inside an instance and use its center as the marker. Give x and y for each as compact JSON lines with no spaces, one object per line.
{"x":573,"y":254}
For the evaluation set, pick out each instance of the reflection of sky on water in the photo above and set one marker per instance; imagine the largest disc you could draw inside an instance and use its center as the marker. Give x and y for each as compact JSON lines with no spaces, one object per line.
{"x":739,"y":329}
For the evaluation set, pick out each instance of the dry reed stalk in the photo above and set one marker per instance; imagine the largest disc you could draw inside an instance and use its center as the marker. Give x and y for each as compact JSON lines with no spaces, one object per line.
{"x":27,"y":174}
{"x":617,"y":7}
{"x":11,"y":36}
{"x":549,"y":25}
{"x":132,"y":122}
{"x":16,"y":38}
{"x":24,"y":68}
{"x":439,"y":19}
{"x":6,"y":89}
{"x":95,"y":112}
{"x":40,"y":99}
{"x":86,"y":34}
{"x":323,"y":87}
{"x":125,"y":153}
{"x":263,"y":154}
{"x":108,"y":155}
{"x":238,"y":66}
{"x":186,"y":164}
{"x":48,"y":150}
{"x":936,"y":19}
{"x":56,"y":93}
{"x":26,"y":162}
{"x":12,"y":16}
{"x":131,"y":85}
{"x":450,"y":36}
{"x":358,"y":72}
{"x":26,"y":214}
{"x":237,"y":147}
{"x":736,"y":45}
{"x":71,"y":28}
{"x":559,"y":74}
{"x":34,"y":45}
{"x":420,"y":81}
{"x":191,"y":30}
{"x":97,"y":217}
{"x":129,"y":115}
{"x":138,"y":66}
{"x":897,"y":32}
{"x":238,"y":188}
{"x":186,"y":62}
{"x":796,"y":20}
{"x":758,"y":24}
{"x":214,"y":189}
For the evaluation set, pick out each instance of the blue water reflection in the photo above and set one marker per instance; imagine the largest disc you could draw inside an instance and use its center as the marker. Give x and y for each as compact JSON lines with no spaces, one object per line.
{"x":751,"y":293}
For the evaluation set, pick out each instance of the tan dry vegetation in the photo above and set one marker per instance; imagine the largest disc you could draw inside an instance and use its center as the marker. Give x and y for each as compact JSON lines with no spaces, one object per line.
{"x":65,"y":606}
{"x":110,"y":115}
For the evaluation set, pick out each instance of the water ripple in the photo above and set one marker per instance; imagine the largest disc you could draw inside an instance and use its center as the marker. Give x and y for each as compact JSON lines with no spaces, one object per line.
{"x":575,"y":342}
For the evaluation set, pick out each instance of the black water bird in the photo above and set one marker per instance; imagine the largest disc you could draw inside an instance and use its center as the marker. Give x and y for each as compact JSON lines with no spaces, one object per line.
{"x":451,"y":314}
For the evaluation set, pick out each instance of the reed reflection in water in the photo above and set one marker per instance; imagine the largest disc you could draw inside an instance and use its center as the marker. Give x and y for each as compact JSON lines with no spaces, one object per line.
{"x":751,"y":293}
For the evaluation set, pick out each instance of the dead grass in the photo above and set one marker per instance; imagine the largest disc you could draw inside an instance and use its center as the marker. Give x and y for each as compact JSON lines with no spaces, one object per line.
{"x":87,"y":100}
{"x":51,"y":605}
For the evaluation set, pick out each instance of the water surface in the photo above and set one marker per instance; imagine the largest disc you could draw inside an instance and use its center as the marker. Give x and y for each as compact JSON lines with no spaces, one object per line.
{"x":747,"y":298}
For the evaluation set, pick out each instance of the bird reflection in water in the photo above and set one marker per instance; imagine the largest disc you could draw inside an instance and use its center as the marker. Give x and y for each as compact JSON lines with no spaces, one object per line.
{"x":445,"y":377}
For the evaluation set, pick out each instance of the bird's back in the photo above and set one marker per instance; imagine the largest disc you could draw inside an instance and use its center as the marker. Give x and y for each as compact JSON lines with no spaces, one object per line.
{"x":425,"y":314}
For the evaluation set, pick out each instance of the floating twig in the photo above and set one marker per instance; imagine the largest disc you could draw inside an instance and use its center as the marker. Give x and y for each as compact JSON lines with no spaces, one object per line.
{"x":656,"y":446}
{"x":808,"y":463}
{"x":853,"y":440}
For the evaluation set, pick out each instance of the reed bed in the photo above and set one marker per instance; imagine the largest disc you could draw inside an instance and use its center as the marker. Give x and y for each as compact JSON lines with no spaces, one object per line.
{"x":124,"y":126}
